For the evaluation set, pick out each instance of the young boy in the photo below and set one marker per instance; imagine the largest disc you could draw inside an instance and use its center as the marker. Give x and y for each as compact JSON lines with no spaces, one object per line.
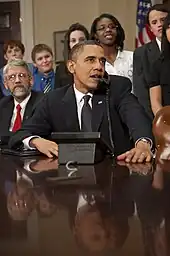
{"x":13,"y":49}
{"x":43,"y":73}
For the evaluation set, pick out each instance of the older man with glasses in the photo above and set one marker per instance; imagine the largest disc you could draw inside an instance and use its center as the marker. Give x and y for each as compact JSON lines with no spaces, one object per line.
{"x":19,"y":105}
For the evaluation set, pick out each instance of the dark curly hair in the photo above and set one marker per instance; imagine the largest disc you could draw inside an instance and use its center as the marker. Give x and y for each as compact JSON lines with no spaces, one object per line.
{"x":13,"y":43}
{"x":120,"y":31}
{"x":73,"y":27}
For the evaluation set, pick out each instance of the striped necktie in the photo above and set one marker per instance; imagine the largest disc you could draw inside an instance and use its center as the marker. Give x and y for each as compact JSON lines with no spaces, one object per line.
{"x":47,"y":87}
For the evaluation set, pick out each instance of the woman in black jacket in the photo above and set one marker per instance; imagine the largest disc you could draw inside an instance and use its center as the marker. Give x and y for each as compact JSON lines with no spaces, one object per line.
{"x":75,"y":34}
{"x":160,"y":79}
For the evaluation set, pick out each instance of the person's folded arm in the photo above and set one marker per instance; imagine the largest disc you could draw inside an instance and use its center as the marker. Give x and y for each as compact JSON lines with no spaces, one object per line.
{"x":155,"y":98}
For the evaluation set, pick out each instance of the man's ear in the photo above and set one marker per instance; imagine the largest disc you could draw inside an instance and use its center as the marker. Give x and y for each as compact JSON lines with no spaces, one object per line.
{"x":5,"y":82}
{"x":31,"y":80}
{"x":96,"y":37}
{"x":5,"y":57}
{"x":71,"y":66}
{"x":149,"y":27}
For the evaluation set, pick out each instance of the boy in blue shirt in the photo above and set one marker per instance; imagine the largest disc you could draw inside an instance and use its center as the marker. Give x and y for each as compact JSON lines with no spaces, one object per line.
{"x":43,"y":73}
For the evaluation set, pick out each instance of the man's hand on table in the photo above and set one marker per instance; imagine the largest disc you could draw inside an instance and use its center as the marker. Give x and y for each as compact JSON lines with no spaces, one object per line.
{"x":141,"y":153}
{"x":47,"y":147}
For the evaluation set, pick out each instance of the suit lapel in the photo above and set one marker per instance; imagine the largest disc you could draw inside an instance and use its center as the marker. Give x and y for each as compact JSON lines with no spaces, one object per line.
{"x":69,"y":110}
{"x":29,"y":107}
{"x":153,"y":51}
{"x":97,"y":111}
{"x":7,"y":114}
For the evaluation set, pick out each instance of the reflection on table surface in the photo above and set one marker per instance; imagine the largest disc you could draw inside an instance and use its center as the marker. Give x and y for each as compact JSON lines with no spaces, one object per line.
{"x":104,"y":209}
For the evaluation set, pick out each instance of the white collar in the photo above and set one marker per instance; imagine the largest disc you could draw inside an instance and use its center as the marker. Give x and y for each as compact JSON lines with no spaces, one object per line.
{"x":119,"y":54}
{"x":23,"y":103}
{"x":158,"y":43}
{"x":80,"y":95}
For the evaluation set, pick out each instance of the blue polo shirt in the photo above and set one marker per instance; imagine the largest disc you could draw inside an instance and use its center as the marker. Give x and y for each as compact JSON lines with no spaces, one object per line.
{"x":40,"y":80}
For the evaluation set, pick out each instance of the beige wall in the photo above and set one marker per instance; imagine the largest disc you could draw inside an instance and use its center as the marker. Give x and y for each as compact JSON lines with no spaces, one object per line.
{"x":53,"y":15}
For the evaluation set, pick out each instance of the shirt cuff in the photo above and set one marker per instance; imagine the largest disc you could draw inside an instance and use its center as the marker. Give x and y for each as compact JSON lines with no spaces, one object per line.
{"x":26,"y":143}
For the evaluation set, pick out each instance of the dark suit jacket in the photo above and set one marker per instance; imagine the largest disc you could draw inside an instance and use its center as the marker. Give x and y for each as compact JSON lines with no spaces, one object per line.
{"x":6,"y":111}
{"x":62,"y":76}
{"x":1,"y":93}
{"x":58,"y":113}
{"x":143,"y":59}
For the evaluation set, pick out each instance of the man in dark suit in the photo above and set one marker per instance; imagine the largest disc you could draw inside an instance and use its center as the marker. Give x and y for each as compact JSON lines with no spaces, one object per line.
{"x":146,"y":55}
{"x":68,"y":110}
{"x":17,"y":107}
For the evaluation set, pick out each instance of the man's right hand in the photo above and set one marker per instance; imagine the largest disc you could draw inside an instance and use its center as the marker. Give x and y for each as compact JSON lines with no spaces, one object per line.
{"x":47,"y":147}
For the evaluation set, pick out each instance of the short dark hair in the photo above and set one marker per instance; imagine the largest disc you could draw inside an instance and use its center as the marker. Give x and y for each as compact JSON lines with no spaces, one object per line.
{"x":156,"y":7}
{"x":79,"y":48}
{"x":39,"y":48}
{"x":120,"y":31}
{"x":73,"y":27}
{"x":13,"y":43}
{"x":165,"y":44}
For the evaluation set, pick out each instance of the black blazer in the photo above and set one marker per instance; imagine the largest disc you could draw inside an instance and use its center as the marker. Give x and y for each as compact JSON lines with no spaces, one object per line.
{"x":58,"y":113}
{"x":160,"y":76}
{"x":1,"y":93}
{"x":143,"y":59}
{"x":6,"y":111}
{"x":62,"y":76}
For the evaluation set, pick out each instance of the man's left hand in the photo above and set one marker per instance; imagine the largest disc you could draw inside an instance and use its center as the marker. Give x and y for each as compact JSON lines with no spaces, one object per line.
{"x":141,"y":153}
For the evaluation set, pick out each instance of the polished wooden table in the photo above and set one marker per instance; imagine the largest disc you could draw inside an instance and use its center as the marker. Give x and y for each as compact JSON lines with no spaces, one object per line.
{"x":106,"y":209}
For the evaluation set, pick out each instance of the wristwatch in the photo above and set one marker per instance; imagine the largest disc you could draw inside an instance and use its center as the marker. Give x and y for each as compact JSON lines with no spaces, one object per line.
{"x":148,"y":141}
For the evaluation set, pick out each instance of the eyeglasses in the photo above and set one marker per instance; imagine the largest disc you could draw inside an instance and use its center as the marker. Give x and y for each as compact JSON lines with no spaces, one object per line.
{"x":13,"y":77}
{"x":110,"y":26}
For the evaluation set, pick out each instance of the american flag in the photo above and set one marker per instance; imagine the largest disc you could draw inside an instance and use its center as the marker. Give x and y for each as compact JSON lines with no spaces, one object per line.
{"x":143,"y":33}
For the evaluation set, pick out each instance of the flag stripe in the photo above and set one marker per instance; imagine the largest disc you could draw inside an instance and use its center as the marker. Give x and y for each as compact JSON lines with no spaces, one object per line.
{"x":143,"y":34}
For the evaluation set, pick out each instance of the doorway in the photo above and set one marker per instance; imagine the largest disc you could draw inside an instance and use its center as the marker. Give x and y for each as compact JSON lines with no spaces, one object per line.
{"x":9,"y":24}
{"x":167,"y":3}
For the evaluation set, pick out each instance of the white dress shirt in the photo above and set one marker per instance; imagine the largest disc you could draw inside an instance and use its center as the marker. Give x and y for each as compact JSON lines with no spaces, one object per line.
{"x":158,"y":43}
{"x":122,"y":66}
{"x":23,"y":107}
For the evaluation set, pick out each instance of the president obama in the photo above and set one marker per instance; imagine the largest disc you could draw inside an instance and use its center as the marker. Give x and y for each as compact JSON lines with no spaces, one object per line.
{"x":82,"y":107}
